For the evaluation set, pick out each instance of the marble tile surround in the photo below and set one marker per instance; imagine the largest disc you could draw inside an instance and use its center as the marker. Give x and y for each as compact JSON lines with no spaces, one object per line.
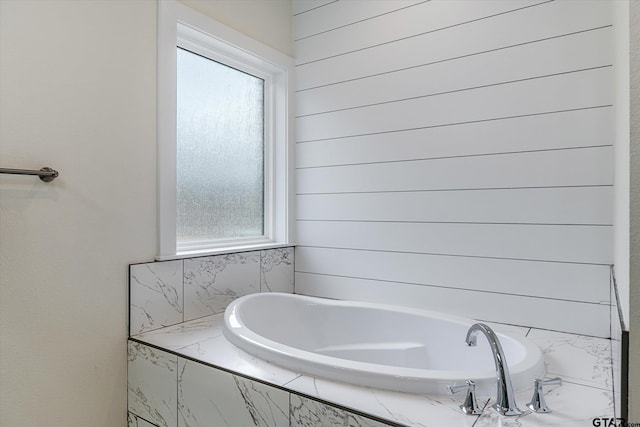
{"x":133,"y":421}
{"x":583,"y":363}
{"x":305,"y":412}
{"x":616,"y":344}
{"x":151,"y":382}
{"x":176,"y":306}
{"x":234,"y":401}
{"x":200,"y":395}
{"x":156,"y":297}
{"x":171,"y":292}
{"x":211,"y":283}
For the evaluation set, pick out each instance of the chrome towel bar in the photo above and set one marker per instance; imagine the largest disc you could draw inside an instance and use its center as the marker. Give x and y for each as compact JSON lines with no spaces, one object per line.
{"x":46,"y":174}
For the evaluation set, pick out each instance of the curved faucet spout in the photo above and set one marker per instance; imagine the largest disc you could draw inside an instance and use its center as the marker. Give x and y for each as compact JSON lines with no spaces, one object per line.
{"x":505,"y":400}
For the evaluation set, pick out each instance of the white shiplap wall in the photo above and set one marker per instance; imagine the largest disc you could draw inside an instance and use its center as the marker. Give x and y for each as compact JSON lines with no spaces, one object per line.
{"x":457,"y":155}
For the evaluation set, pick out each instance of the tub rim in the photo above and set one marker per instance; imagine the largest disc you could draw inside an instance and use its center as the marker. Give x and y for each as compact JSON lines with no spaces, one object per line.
{"x":415,"y":380}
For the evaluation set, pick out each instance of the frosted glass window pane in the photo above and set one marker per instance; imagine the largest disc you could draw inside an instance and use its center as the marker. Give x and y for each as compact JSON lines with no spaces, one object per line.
{"x":220,"y":151}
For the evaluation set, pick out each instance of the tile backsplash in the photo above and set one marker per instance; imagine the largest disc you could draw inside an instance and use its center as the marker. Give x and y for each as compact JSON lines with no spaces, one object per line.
{"x":170,"y":292}
{"x":211,"y":283}
{"x":155,"y":295}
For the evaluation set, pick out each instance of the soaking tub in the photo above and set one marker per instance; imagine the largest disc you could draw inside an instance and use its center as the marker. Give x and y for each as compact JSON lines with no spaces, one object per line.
{"x":374,"y":345}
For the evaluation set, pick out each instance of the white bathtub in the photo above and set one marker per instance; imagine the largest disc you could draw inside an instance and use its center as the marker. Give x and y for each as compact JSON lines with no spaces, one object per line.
{"x":374,"y":345}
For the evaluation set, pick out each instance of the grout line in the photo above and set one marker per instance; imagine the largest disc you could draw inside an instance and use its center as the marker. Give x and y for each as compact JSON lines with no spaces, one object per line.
{"x":292,"y":380}
{"x":260,"y":273}
{"x":293,"y":254}
{"x":578,"y":381}
{"x":614,"y":385}
{"x":484,"y":408}
{"x":576,"y":334}
{"x":129,"y":302}
{"x":142,"y":418}
{"x":178,"y":389}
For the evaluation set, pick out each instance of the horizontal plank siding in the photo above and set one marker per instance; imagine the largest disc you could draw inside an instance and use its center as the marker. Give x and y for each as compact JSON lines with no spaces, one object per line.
{"x":341,"y":14}
{"x":544,"y":313}
{"x":577,"y":243}
{"x":523,"y":26}
{"x":576,"y":51}
{"x":354,"y":28}
{"x":558,"y":205}
{"x":534,"y":96}
{"x":579,"y":128}
{"x":577,"y":167}
{"x":516,"y":277}
{"x":457,"y":155}
{"x":302,"y":6}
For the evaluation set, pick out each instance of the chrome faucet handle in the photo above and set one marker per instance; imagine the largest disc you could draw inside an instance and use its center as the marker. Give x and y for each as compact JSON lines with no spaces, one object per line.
{"x":470,"y":405}
{"x":538,"y":403}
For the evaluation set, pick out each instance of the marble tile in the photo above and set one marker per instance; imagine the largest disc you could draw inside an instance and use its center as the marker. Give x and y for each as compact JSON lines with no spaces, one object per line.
{"x":310,"y":413}
{"x":152,"y":376}
{"x":616,"y":346}
{"x":583,"y":362}
{"x":187,"y":333}
{"x":617,"y":402}
{"x":616,"y":321}
{"x":276,"y":270}
{"x":211,"y":397}
{"x":573,"y":405}
{"x":616,"y":355}
{"x":575,"y":358}
{"x":354,"y":420}
{"x":156,"y":296}
{"x":220,"y":352}
{"x":133,"y":421}
{"x":401,"y":408}
{"x":211,"y":283}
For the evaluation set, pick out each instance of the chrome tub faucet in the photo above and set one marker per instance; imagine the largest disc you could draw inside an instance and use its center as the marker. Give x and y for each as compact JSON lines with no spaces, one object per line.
{"x":505,"y":399}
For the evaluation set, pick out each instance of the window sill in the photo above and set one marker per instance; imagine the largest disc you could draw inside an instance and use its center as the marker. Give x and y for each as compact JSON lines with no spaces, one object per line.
{"x":223,"y":251}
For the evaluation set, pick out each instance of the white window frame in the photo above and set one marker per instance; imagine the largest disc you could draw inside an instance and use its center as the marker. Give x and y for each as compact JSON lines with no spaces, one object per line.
{"x":180,"y":26}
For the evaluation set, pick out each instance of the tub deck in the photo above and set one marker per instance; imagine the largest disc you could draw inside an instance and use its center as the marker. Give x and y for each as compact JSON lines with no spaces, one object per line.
{"x":584,"y":363}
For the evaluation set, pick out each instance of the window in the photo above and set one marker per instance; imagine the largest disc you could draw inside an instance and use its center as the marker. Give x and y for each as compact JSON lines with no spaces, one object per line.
{"x":220,"y":151}
{"x":223,"y":146}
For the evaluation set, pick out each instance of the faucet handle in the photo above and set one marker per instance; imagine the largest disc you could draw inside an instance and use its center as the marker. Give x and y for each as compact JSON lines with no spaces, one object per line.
{"x":470,"y":405}
{"x":537,"y":403}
